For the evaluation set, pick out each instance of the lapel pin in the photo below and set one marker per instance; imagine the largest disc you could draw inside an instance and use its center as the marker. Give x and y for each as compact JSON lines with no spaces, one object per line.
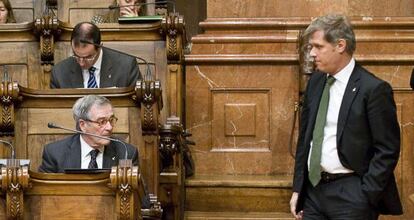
{"x":113,"y":158}
{"x":109,"y":76}
{"x":354,"y":89}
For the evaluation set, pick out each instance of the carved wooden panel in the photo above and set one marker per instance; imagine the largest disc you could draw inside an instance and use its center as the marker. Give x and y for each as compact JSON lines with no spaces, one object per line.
{"x":17,"y":59}
{"x":76,"y":11}
{"x":23,"y":10}
{"x":50,"y":207}
{"x":20,"y":58}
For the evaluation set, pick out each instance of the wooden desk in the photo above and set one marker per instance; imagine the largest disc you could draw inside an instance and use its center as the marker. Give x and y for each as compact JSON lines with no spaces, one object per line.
{"x":26,"y":113}
{"x":115,"y":195}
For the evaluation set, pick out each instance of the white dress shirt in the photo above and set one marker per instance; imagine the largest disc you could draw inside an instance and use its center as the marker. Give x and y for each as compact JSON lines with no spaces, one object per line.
{"x":330,"y":160}
{"x":86,"y":157}
{"x":97,"y":72}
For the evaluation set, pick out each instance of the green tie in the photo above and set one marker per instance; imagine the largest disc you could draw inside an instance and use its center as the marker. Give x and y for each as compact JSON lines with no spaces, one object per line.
{"x":315,"y":159}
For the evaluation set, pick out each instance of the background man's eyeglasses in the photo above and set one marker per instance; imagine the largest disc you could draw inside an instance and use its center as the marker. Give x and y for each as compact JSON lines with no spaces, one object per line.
{"x":86,"y":59}
{"x":103,"y":121}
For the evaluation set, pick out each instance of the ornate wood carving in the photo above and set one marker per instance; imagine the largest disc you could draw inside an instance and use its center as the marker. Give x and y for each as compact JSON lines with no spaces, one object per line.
{"x":172,"y":147}
{"x":47,"y":29}
{"x":14,"y":180}
{"x":125,"y":180}
{"x":9,"y":92}
{"x":149,"y":94}
{"x":173,"y":27}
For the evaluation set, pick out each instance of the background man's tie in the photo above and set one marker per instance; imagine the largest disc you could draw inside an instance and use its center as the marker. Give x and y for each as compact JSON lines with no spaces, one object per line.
{"x":93,"y":164}
{"x":92,"y":81}
{"x":317,"y":140}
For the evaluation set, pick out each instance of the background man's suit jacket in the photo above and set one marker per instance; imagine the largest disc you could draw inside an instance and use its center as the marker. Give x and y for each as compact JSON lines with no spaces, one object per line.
{"x":66,"y":154}
{"x":368,"y":137}
{"x":117,"y":70}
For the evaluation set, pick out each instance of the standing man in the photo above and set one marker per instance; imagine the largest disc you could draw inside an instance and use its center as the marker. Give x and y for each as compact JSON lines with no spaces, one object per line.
{"x":349,"y":140}
{"x":93,"y":66}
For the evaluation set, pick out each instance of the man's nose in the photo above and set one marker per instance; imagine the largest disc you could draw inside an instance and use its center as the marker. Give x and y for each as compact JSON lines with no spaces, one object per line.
{"x":312,"y":52}
{"x":108,"y":126}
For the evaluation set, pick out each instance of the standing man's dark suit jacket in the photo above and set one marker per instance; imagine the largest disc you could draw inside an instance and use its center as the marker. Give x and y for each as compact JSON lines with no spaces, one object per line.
{"x":66,"y":154}
{"x":368,"y":137}
{"x":117,"y":70}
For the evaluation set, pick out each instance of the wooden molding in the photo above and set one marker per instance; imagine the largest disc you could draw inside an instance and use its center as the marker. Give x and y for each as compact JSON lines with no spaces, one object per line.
{"x":9,"y":92}
{"x":47,"y":29}
{"x":149,"y":94}
{"x":127,"y":183}
{"x":14,"y":180}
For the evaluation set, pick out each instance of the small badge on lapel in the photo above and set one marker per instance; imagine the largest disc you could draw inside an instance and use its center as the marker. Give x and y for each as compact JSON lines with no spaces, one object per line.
{"x":109,"y":76}
{"x":113,"y":158}
{"x":354,"y":89}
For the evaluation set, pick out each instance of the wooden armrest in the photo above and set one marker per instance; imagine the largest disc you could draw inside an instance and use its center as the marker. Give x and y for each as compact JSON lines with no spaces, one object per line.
{"x":155,"y":211}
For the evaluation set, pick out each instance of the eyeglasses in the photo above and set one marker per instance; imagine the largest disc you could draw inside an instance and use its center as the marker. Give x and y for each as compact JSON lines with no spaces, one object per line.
{"x":103,"y":121}
{"x":86,"y":59}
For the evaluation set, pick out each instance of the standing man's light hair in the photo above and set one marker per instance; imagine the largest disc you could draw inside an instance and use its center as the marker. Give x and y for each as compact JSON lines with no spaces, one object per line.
{"x":335,"y":27}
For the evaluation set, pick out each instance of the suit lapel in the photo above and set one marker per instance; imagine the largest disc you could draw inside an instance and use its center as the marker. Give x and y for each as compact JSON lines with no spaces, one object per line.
{"x":73,"y":160}
{"x":106,"y":67}
{"x":350,"y":92}
{"x":110,"y":157}
{"x":76,"y":75}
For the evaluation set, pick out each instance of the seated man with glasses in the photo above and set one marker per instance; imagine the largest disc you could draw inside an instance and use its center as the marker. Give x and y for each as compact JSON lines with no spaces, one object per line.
{"x":93,"y":66}
{"x":93,"y":115}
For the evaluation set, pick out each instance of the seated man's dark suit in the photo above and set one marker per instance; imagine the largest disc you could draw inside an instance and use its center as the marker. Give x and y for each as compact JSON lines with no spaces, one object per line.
{"x":66,"y":154}
{"x":117,"y":70}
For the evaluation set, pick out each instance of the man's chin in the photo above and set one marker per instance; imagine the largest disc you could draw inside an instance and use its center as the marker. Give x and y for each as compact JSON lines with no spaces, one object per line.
{"x":104,"y":142}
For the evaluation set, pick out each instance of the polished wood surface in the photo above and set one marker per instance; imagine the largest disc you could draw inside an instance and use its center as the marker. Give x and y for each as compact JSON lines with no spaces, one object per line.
{"x":76,"y":196}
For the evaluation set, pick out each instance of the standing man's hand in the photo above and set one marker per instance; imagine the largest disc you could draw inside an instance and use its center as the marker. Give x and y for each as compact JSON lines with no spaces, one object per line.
{"x":293,"y":202}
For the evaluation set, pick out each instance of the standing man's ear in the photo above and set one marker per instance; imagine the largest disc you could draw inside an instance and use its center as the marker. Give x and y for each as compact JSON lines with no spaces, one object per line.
{"x":341,"y":45}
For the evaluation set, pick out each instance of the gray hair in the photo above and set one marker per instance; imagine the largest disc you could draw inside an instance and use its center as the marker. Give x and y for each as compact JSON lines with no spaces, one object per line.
{"x":83,"y":105}
{"x":334,"y":27}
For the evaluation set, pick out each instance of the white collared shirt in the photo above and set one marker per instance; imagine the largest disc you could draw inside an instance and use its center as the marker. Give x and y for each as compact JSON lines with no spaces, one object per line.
{"x":330,"y":160}
{"x":86,"y":157}
{"x":97,"y":73}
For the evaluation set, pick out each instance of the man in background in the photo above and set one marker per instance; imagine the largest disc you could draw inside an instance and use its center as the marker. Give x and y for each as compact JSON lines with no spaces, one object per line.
{"x":93,"y":66}
{"x":119,"y":8}
{"x":92,"y":114}
{"x":349,"y":140}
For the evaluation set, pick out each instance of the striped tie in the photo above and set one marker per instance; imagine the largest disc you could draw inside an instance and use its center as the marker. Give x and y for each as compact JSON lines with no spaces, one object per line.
{"x":92,"y":80}
{"x":318,"y":133}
